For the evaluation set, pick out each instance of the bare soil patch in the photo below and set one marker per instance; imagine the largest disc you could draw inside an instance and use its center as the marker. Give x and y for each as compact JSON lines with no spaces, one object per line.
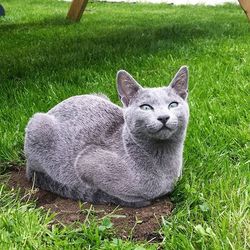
{"x":138,"y":223}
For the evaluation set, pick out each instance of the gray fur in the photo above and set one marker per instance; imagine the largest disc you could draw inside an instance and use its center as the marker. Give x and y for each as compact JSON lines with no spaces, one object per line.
{"x":87,"y":148}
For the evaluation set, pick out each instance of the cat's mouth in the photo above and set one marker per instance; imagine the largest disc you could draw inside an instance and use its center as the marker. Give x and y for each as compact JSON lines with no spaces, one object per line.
{"x":164,"y":127}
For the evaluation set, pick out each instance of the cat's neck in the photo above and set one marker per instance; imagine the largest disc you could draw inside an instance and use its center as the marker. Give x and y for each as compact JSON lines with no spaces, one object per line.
{"x":140,"y":148}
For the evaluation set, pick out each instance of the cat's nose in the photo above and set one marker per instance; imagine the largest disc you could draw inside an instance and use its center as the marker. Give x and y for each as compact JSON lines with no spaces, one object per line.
{"x":163,"y":119}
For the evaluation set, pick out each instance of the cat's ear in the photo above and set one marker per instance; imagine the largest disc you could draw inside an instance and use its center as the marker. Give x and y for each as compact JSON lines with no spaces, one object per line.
{"x":180,"y":82}
{"x":127,"y":87}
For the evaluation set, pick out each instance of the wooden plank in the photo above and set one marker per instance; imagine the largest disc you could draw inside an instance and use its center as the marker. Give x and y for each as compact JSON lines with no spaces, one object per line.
{"x":76,"y":10}
{"x":245,"y":4}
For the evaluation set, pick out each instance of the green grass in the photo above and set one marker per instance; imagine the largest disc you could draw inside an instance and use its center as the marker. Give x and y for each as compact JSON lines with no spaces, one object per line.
{"x":45,"y":59}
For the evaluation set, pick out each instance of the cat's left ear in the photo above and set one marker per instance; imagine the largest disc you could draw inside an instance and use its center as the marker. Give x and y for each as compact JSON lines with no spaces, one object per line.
{"x":180,"y":82}
{"x":127,"y":87}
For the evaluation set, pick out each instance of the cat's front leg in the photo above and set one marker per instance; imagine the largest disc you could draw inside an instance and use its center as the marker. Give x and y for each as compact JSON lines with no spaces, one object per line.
{"x":106,"y":171}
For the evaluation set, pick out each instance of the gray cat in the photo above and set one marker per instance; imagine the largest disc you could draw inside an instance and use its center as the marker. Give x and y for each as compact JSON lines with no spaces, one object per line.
{"x":87,"y":148}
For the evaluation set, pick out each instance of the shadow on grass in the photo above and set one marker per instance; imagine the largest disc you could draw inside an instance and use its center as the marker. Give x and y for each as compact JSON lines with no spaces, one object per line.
{"x":54,"y":44}
{"x":55,"y":21}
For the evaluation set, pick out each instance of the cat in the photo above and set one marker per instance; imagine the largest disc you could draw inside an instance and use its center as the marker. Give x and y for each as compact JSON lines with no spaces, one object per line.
{"x":87,"y":148}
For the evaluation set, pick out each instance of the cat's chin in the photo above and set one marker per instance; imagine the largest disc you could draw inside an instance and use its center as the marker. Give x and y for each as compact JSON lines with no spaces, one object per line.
{"x":162,"y":134}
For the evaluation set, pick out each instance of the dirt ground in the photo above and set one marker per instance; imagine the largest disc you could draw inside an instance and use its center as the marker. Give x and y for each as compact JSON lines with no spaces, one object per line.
{"x":138,"y":223}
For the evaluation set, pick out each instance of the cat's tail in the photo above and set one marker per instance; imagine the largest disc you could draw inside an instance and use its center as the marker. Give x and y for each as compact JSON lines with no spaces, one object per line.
{"x":41,"y":138}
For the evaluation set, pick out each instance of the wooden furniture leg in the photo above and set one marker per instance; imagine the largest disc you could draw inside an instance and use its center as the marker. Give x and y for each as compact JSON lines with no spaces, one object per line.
{"x":245,"y":4}
{"x":76,"y":10}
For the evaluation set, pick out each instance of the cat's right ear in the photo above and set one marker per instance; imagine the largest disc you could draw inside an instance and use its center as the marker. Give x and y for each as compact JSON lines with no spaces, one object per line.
{"x":127,"y":87}
{"x":180,"y":82}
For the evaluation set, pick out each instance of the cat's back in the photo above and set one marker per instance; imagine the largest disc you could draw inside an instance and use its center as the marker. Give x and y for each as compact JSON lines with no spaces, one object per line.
{"x":91,"y":115}
{"x":87,"y":105}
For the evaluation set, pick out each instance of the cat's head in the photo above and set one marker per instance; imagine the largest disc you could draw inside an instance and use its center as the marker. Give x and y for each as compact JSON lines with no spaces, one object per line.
{"x":158,"y":113}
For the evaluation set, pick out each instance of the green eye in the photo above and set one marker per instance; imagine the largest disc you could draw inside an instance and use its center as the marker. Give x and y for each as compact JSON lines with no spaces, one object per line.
{"x":173,"y":105}
{"x":146,"y":107}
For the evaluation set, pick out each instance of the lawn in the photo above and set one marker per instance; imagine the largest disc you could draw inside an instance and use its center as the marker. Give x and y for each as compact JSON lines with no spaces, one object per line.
{"x":45,"y":59}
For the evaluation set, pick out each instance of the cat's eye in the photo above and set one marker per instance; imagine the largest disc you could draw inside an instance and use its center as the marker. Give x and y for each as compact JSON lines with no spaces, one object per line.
{"x":173,"y":105}
{"x":146,"y":107}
